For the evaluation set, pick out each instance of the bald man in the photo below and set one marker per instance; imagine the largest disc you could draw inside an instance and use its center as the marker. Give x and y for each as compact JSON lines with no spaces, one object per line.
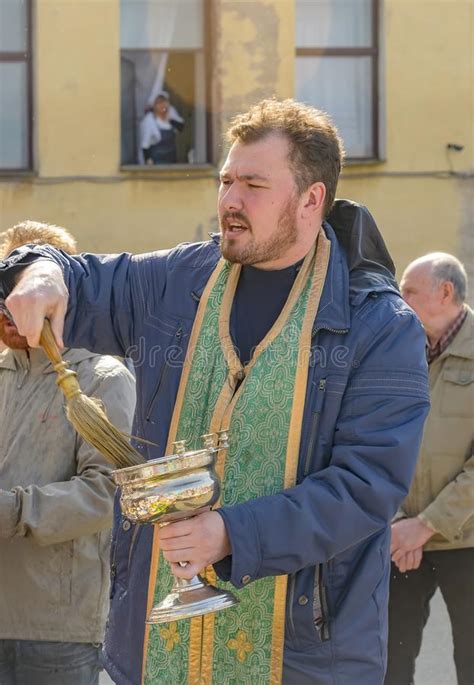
{"x":433,"y":534}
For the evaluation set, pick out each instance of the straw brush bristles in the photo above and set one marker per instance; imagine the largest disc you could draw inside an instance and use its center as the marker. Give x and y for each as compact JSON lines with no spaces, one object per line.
{"x":86,"y":414}
{"x":91,"y":422}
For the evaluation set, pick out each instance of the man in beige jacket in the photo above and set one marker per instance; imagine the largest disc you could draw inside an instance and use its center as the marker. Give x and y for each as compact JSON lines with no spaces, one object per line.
{"x":433,"y":534}
{"x":56,"y":502}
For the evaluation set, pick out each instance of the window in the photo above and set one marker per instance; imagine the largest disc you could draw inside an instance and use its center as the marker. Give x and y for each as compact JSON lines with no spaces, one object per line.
{"x":337,"y":67}
{"x":15,"y":85}
{"x":163,"y":82}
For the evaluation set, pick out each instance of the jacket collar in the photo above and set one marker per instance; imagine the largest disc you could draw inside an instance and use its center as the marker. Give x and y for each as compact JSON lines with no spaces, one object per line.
{"x":462,"y":345}
{"x":334,"y":311}
{"x":15,"y":360}
{"x":7,"y":360}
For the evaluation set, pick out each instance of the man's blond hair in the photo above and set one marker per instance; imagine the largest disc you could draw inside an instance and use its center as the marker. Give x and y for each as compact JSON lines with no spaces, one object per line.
{"x":36,"y":233}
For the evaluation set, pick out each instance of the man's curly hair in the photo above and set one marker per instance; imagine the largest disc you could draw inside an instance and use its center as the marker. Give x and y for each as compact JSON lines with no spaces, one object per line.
{"x":36,"y":233}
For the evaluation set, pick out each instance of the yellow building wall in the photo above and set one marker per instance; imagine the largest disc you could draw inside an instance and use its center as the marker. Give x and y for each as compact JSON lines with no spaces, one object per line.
{"x":255,"y":54}
{"x":429,"y":90}
{"x":428,"y":99}
{"x":77,"y":87}
{"x":130,"y":216}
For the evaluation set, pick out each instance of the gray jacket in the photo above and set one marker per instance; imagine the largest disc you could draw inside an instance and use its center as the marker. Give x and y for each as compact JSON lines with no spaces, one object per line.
{"x":56,"y":499}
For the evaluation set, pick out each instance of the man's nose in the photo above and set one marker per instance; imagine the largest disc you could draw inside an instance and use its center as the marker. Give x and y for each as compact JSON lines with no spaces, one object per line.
{"x":231,"y":197}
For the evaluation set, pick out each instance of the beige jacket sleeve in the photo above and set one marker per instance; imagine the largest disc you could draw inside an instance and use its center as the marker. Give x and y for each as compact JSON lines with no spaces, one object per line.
{"x":61,"y":511}
{"x":454,"y":505}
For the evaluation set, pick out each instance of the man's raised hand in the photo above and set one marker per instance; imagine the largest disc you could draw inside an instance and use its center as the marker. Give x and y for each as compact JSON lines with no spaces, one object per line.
{"x":40,"y":293}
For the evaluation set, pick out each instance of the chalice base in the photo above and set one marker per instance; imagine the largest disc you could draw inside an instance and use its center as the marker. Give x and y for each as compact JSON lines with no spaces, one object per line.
{"x":190,"y":598}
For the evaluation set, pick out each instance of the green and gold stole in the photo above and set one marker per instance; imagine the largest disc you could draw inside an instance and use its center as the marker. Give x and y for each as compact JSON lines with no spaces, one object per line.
{"x":263,"y":412}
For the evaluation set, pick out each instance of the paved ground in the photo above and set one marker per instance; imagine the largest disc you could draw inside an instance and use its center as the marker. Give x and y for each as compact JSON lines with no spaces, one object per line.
{"x":105,"y":680}
{"x":435,"y":663}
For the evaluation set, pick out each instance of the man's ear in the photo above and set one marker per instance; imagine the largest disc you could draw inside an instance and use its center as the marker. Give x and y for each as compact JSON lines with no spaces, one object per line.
{"x":313,"y":200}
{"x":447,"y":292}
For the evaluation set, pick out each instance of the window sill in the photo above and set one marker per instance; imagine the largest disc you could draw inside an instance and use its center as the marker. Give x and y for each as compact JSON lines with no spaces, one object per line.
{"x":11,"y":174}
{"x":366,"y":161}
{"x":169,"y":171}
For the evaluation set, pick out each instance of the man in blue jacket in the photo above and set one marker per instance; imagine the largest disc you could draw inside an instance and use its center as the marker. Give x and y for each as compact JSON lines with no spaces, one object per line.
{"x":289,"y":331}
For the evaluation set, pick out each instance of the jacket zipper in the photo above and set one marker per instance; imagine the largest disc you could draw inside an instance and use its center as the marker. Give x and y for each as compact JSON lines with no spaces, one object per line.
{"x":320,"y":604}
{"x":325,"y":633}
{"x":291,"y":597}
{"x":132,"y":545}
{"x":321,"y":623}
{"x":314,"y":426}
{"x":113,"y":567}
{"x":163,"y":370}
{"x":331,"y":330}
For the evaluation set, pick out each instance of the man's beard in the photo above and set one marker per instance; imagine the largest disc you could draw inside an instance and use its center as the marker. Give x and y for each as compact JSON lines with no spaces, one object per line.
{"x":10,"y":337}
{"x":284,"y":237}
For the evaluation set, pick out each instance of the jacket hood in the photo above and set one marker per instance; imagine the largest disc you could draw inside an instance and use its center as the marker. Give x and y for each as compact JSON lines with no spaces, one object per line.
{"x":370,"y":266}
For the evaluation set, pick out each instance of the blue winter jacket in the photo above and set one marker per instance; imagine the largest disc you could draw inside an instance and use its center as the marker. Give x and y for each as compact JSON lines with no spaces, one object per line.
{"x":367,"y":398}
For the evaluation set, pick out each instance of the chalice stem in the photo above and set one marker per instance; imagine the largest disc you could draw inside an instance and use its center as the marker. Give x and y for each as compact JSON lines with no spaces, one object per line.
{"x":182,"y":584}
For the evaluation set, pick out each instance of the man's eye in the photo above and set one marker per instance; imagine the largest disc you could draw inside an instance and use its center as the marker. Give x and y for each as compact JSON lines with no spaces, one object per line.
{"x":225,"y":182}
{"x":254,"y":185}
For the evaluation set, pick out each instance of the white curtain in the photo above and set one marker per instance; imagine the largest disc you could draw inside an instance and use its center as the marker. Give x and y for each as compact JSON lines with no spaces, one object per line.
{"x":152,"y":24}
{"x":150,"y":76}
{"x":333,"y":23}
{"x":13,"y":25}
{"x":159,"y":81}
{"x":341,"y":86}
{"x":161,"y":24}
{"x":13,"y":115}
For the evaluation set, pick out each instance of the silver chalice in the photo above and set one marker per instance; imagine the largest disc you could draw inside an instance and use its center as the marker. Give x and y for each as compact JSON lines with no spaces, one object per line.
{"x":168,"y":489}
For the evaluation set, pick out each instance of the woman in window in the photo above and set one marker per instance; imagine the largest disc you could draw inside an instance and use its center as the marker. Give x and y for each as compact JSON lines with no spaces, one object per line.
{"x":158,"y":132}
